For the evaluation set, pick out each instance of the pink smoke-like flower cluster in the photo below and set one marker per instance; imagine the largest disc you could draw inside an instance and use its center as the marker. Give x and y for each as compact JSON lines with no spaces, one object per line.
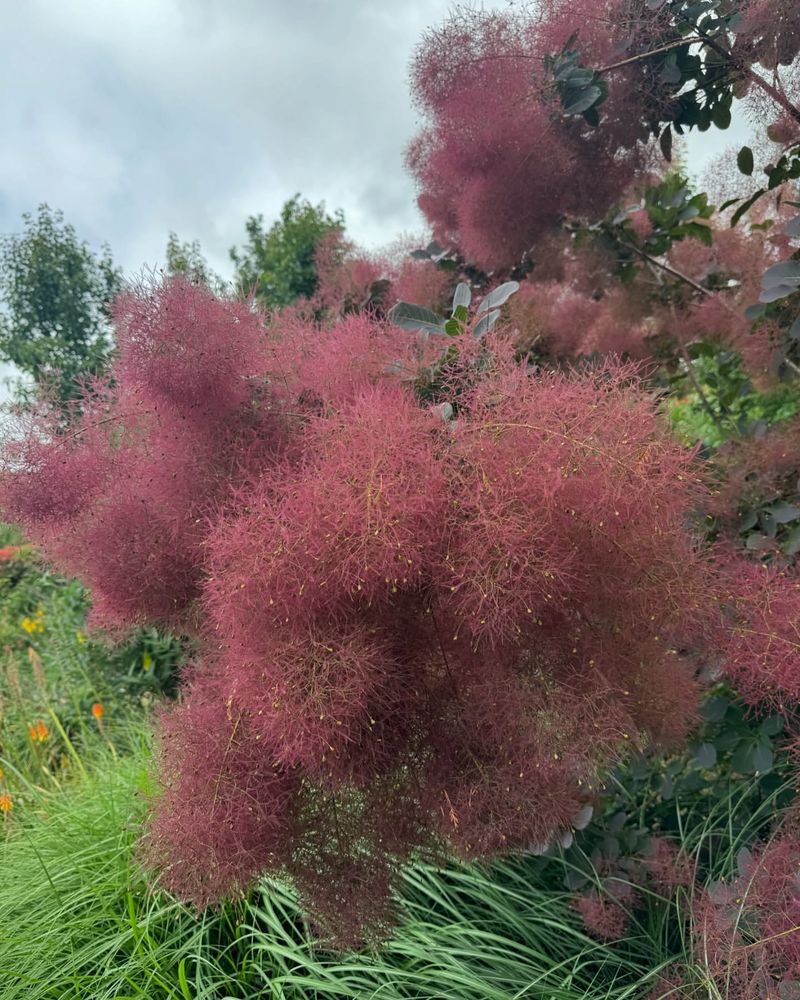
{"x":762,"y":641}
{"x":606,"y":914}
{"x":564,"y":322}
{"x":495,"y":171}
{"x":747,"y":932}
{"x":414,"y":635}
{"x":351,"y":279}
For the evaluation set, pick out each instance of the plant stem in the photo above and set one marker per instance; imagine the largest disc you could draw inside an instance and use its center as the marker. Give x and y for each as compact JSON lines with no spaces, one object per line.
{"x":780,"y":98}
{"x":676,"y":44}
{"x":704,"y":400}
{"x":669,"y":269}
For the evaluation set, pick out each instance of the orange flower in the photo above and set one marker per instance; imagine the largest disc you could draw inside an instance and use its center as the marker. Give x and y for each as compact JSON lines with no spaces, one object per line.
{"x":97,"y":710}
{"x":39,"y":732}
{"x":5,"y":803}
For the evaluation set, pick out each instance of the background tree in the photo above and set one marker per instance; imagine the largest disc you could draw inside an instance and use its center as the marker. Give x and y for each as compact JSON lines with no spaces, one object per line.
{"x":56,"y":295}
{"x":187,"y":259}
{"x":278,"y":263}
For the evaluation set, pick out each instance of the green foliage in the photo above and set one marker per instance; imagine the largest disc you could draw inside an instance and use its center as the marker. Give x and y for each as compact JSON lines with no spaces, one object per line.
{"x":674,"y":213}
{"x":56,"y":296}
{"x":278,"y":263}
{"x":85,"y":927}
{"x":426,"y":322}
{"x":735,"y":766}
{"x":53,"y":670}
{"x":187,"y":258}
{"x":730,"y":392}
{"x":580,"y":91}
{"x":786,"y":169}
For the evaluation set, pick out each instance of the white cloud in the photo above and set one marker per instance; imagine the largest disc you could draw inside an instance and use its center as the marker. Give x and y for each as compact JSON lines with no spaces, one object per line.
{"x":137,"y":117}
{"x":143,"y":117}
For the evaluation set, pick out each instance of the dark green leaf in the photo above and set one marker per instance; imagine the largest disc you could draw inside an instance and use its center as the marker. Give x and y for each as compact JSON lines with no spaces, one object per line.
{"x":746,"y":206}
{"x":772,"y":725}
{"x":742,"y":760}
{"x":592,"y":116}
{"x":784,"y":513}
{"x":670,"y":72}
{"x":748,"y":521}
{"x":617,"y":821}
{"x":411,"y":317}
{"x":485,"y":323}
{"x":714,"y":709}
{"x":768,"y":523}
{"x":575,"y":880}
{"x":745,"y":160}
{"x":665,"y":141}
{"x":706,"y":756}
{"x":751,"y":756}
{"x":777,"y":292}
{"x":791,"y":545}
{"x":763,"y":758}
{"x":580,"y":101}
{"x":578,"y":77}
{"x":785,"y":273}
{"x":755,"y":312}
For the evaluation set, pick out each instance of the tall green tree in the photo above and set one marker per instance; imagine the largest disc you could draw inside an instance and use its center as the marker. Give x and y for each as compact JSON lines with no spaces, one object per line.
{"x":187,"y":258}
{"x":56,"y":296}
{"x":278,"y":263}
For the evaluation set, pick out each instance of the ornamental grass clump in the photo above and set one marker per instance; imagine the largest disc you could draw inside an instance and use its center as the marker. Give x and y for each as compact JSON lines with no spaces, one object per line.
{"x":419,"y":629}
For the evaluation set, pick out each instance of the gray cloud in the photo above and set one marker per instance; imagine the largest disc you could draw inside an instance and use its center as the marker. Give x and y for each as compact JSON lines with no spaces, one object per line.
{"x":142,"y":117}
{"x":137,"y":117}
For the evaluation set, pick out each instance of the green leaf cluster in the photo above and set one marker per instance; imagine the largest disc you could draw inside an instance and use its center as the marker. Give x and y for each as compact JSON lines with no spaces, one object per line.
{"x":56,"y":296}
{"x":581,"y":91}
{"x":278,"y":264}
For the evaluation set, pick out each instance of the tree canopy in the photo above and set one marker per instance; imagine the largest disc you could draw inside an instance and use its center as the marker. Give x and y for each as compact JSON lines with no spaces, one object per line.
{"x":278,"y":264}
{"x":56,"y":293}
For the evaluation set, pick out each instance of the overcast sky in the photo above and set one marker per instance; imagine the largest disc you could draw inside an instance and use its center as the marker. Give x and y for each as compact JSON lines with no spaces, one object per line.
{"x":138,"y":117}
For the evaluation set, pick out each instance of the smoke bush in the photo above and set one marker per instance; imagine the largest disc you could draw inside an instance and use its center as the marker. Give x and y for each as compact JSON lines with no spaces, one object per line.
{"x":495,"y":171}
{"x":747,"y":931}
{"x":351,"y":279}
{"x":605,"y":915}
{"x":762,"y":650}
{"x":564,"y":322}
{"x":414,"y":634}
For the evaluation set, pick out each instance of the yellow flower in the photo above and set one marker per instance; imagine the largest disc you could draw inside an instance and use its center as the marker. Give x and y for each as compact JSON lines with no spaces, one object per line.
{"x":6,"y":804}
{"x":147,"y":661}
{"x":34,"y":624}
{"x":80,"y":637}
